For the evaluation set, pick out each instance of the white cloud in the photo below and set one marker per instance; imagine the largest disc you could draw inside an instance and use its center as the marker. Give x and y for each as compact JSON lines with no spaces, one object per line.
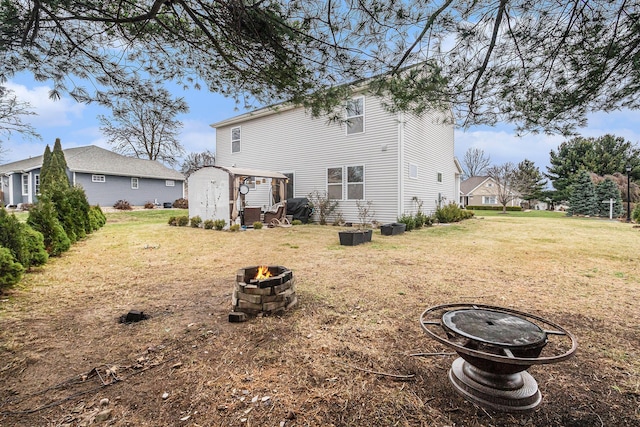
{"x":197,"y":136}
{"x":50,"y":113}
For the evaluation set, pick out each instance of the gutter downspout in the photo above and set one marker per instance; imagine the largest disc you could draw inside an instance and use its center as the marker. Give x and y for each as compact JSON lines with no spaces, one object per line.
{"x":400,"y":164}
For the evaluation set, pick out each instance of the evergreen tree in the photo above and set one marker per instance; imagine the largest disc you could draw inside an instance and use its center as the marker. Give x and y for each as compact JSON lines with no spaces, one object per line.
{"x":582,"y":198}
{"x":54,"y":170}
{"x":35,"y":246}
{"x":12,"y":237}
{"x":44,"y":169}
{"x":529,"y":181}
{"x":43,"y":218}
{"x":605,"y":191}
{"x":10,"y":270}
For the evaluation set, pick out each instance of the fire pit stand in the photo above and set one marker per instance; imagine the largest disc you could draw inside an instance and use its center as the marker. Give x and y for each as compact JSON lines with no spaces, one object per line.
{"x":496,"y":347}
{"x":256,"y":294}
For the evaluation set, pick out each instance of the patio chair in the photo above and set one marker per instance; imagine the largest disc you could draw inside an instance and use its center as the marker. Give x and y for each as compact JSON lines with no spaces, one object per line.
{"x":277,"y":218}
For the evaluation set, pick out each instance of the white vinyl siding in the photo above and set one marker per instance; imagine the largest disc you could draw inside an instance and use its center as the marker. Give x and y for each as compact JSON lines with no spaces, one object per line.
{"x":235,"y":139}
{"x":355,"y":115}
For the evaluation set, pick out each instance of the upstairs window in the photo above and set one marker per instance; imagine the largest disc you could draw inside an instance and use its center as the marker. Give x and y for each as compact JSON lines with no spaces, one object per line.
{"x":439,"y":177}
{"x":413,"y":171}
{"x":235,"y":139}
{"x":355,"y":115}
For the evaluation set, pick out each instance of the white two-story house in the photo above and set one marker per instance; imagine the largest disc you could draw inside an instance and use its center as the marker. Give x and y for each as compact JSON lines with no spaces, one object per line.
{"x":396,"y":161}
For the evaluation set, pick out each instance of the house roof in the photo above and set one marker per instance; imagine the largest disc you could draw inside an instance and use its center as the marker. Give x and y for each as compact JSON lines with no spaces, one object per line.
{"x":93,"y":159}
{"x":470,"y":184}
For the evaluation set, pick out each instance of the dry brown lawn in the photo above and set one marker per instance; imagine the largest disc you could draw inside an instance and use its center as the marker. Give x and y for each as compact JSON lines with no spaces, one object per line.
{"x":65,"y":360}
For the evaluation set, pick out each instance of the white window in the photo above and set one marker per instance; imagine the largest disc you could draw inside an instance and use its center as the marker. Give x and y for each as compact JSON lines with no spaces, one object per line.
{"x":349,"y":177}
{"x":25,"y":184}
{"x":439,"y":177}
{"x":413,"y":171}
{"x":355,"y":115}
{"x":36,"y":178}
{"x":489,"y":200}
{"x":98,"y":178}
{"x":169,"y":183}
{"x":134,"y":183}
{"x":235,"y":140}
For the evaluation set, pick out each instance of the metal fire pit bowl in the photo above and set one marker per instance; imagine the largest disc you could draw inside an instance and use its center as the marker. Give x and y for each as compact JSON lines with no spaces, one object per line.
{"x":496,"y":347}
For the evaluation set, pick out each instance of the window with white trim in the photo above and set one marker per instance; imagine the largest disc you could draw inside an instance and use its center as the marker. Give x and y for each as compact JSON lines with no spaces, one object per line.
{"x":489,"y":200}
{"x":98,"y":178}
{"x":25,"y":184}
{"x":345,"y":179}
{"x":413,"y":171}
{"x":169,"y":183}
{"x":439,"y":177}
{"x":135,"y":183}
{"x":36,"y":179}
{"x":235,"y":139}
{"x":355,"y":115}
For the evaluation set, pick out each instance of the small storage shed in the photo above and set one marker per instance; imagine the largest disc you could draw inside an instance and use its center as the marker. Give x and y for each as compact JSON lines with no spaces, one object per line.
{"x":217,"y":192}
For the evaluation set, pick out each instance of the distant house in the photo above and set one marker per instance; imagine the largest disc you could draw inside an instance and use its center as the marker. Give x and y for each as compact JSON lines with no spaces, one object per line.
{"x":482,"y":191}
{"x":105,"y":176}
{"x":396,"y":161}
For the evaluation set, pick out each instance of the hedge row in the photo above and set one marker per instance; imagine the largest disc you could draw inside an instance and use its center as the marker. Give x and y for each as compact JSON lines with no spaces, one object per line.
{"x":493,"y":208}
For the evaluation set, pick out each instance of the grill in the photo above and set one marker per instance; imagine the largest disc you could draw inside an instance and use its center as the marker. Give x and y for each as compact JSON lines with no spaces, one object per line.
{"x":496,"y":347}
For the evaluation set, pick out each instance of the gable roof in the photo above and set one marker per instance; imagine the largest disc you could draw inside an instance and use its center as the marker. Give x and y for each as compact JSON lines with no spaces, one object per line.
{"x":470,"y":184}
{"x":96,"y":160}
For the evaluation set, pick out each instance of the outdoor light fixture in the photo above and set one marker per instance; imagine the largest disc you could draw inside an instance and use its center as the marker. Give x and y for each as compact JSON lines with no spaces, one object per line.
{"x":628,"y":169}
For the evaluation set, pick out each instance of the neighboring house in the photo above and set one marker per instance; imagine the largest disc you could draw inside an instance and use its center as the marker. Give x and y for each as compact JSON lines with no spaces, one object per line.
{"x":396,"y":161}
{"x":482,"y":191}
{"x":105,"y":176}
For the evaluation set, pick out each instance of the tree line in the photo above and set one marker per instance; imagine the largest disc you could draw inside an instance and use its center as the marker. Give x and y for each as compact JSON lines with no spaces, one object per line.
{"x":584,"y":172}
{"x":61,"y":216}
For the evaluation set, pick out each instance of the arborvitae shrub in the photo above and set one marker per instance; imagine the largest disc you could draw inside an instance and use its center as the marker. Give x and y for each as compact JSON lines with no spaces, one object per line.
{"x":43,"y":218}
{"x":35,"y":246}
{"x":96,"y":217}
{"x":12,"y":237}
{"x":195,"y":222}
{"x":181,"y":203}
{"x":11,"y":271}
{"x":80,"y":208}
{"x":208,"y":224}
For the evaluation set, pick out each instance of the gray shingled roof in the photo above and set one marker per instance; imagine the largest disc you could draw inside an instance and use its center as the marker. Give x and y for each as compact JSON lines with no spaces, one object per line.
{"x":93,"y":159}
{"x":470,"y":184}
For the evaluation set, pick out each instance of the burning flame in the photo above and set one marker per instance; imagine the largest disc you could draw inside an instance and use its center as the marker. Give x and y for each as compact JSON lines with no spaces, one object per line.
{"x":263,"y":272}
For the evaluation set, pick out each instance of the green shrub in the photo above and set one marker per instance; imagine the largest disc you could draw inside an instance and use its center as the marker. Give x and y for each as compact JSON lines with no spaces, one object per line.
{"x":234,"y":227}
{"x":493,"y":208}
{"x":209,"y":224}
{"x":11,"y":271}
{"x":96,"y":217}
{"x":34,"y":242}
{"x":80,"y":207}
{"x":257,"y":225}
{"x":635,"y":215}
{"x":296,"y":222}
{"x":421,"y":219}
{"x":59,"y":196}
{"x":122,"y":205}
{"x":195,"y":222}
{"x":408,"y":220}
{"x":43,"y":218}
{"x":181,"y":203}
{"x":12,"y":237}
{"x":173,"y":221}
{"x":182,"y":221}
{"x":219,"y":224}
{"x":452,"y":213}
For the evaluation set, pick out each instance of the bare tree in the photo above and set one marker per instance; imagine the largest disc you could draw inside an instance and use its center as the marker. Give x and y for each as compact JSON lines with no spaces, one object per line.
{"x":145,"y":127}
{"x":475,"y":162}
{"x":195,"y":161}
{"x":11,"y":113}
{"x":505,"y":177}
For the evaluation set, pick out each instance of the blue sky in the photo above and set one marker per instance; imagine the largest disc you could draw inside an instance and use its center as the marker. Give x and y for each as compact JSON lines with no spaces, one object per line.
{"x":77,"y":125}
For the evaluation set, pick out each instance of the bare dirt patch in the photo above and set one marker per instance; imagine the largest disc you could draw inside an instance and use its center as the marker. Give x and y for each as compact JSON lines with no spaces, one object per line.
{"x":67,"y":360}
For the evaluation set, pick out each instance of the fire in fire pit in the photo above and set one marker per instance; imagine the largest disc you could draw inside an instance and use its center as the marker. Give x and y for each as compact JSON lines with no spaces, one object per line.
{"x":263,"y":290}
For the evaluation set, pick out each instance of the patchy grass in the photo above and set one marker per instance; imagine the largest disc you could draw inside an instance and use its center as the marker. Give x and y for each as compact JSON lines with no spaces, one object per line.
{"x":358,"y":313}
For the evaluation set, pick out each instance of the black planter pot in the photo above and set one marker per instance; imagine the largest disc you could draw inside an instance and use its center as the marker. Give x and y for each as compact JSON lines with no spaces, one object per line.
{"x":393,"y":229}
{"x":354,"y":237}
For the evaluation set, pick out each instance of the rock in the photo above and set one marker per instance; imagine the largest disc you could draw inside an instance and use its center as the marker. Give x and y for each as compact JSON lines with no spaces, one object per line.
{"x":103,"y":415}
{"x":165,"y":395}
{"x":104,"y":402}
